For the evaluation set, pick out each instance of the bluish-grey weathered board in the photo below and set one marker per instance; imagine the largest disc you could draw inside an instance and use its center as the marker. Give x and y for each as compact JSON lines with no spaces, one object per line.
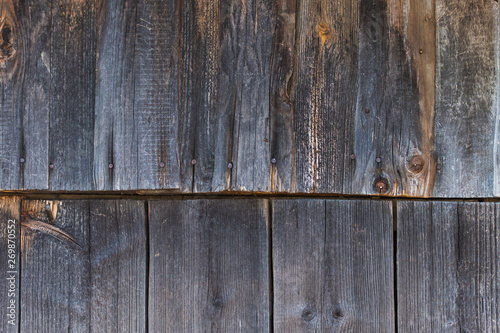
{"x":327,"y":96}
{"x":448,"y":267}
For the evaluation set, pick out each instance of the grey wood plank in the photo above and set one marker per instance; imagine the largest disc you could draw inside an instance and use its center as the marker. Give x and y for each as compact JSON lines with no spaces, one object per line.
{"x":118,"y":266}
{"x":447,"y":267}
{"x":199,"y":88}
{"x":324,"y":93}
{"x":55,"y":267}
{"x":393,"y":151}
{"x":281,"y":105}
{"x":36,"y":22}
{"x":332,"y":266}
{"x":115,"y":137}
{"x":10,"y":208}
{"x":246,"y":44}
{"x":72,"y":70}
{"x":466,"y":109}
{"x":11,"y":67}
{"x":209,"y":266}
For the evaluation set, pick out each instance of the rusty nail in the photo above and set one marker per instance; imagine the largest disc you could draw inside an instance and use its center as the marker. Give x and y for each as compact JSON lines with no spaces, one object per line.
{"x":162,"y":165}
{"x":378,"y":159}
{"x":21,"y":160}
{"x":230,"y":165}
{"x":51,"y":166}
{"x":381,"y":185}
{"x":353,"y":156}
{"x":193,"y":161}
{"x":110,"y":165}
{"x":367,"y":110}
{"x":273,"y":160}
{"x":416,"y":164}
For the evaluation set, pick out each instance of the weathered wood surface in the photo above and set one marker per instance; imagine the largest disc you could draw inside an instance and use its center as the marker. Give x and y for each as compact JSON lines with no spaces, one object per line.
{"x":328,"y":96}
{"x":333,"y":266}
{"x":209,"y":268}
{"x":10,"y":225}
{"x":83,"y":266}
{"x":448,"y":267}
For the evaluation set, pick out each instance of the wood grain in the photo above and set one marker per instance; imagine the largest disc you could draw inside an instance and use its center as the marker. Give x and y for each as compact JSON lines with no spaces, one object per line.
{"x":10,"y":208}
{"x":209,"y":266}
{"x":11,"y":59}
{"x":332,"y":266}
{"x":118,"y":266}
{"x":466,"y":108}
{"x":55,"y":285}
{"x":72,"y":85}
{"x":395,"y":110}
{"x":447,"y":267}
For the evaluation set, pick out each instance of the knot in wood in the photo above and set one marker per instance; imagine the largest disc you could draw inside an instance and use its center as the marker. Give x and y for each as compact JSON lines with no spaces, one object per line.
{"x":6,"y":41}
{"x":381,"y":185}
{"x":416,"y":164}
{"x":308,"y":314}
{"x":323,"y":32}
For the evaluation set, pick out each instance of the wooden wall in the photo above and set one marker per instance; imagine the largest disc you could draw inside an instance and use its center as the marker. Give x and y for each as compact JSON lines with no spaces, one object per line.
{"x":393,"y":97}
{"x":250,"y":265}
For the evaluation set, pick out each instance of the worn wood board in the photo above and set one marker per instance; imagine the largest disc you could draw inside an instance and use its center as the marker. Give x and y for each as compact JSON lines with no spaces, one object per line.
{"x":332,"y":266}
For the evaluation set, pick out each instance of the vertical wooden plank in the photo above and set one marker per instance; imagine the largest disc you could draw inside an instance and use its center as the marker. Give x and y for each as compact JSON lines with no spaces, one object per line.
{"x":466,"y":109}
{"x":448,"y":267}
{"x":395,"y":109}
{"x":36,"y":25}
{"x":71,"y":122}
{"x":283,"y":67}
{"x":55,"y":290}
{"x":209,"y":266}
{"x":332,"y":266}
{"x":118,"y":240}
{"x":246,"y":46}
{"x":115,"y":137}
{"x":11,"y":66}
{"x":323,"y":92}
{"x":9,"y":263}
{"x":199,"y":75}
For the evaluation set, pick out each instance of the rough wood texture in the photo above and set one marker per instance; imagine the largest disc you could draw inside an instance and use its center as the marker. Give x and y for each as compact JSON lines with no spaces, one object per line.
{"x":83,"y":266}
{"x":332,"y":266}
{"x":466,"y":108}
{"x":209,"y":266}
{"x":118,"y":266}
{"x":448,"y":267}
{"x":10,"y":225}
{"x":55,"y":267}
{"x":395,"y":110}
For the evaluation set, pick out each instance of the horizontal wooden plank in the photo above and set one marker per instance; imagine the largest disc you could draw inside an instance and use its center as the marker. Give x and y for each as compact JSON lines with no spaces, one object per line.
{"x":332,"y":266}
{"x":209,"y":266}
{"x":447,"y":267}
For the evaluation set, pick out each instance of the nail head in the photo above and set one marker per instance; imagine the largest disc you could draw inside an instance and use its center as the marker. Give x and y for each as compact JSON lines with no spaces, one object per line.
{"x":421,"y":51}
{"x":51,"y":166}
{"x":193,"y":161}
{"x":439,"y":166}
{"x":273,"y":160}
{"x":230,"y":165}
{"x":110,"y":165}
{"x":22,"y":160}
{"x":162,"y":165}
{"x":353,"y":156}
{"x":367,"y":110}
{"x":378,"y":159}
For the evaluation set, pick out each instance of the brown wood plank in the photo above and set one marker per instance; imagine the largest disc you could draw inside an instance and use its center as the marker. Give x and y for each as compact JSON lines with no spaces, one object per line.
{"x":9,"y":263}
{"x":55,"y":267}
{"x":466,"y":109}
{"x":118,"y":248}
{"x":393,"y":151}
{"x":332,"y":266}
{"x":447,"y":267}
{"x":11,"y":66}
{"x":72,"y":85}
{"x":209,"y":266}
